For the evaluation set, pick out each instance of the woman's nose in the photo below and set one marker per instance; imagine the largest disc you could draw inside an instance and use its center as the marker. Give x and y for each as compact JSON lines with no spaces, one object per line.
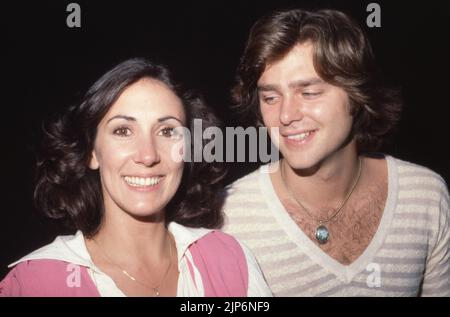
{"x":147,"y":152}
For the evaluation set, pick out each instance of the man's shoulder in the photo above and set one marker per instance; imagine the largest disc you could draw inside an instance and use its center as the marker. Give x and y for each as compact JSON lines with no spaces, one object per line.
{"x":244,"y":189}
{"x":418,"y":174}
{"x":245,"y":201}
{"x":248,"y":180}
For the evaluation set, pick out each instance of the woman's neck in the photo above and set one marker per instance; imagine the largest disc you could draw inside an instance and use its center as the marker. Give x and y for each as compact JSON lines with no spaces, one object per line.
{"x":126,"y":238}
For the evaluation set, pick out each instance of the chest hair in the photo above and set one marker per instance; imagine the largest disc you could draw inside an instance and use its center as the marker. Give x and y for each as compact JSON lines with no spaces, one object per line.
{"x":354,"y":227}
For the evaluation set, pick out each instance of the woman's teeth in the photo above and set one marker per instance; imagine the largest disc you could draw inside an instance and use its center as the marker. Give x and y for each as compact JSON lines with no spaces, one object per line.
{"x":299,"y":137}
{"x":139,"y":181}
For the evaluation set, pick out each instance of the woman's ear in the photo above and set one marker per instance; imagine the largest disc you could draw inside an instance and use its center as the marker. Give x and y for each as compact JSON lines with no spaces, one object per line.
{"x":93,"y":163}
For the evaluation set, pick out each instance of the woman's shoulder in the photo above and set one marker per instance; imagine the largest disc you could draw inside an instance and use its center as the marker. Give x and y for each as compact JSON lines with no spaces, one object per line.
{"x":222,"y":264}
{"x":228,"y":266}
{"x":47,"y":277}
{"x":67,"y":248}
{"x":57,"y":269}
{"x":218,"y":241}
{"x":24,"y":278}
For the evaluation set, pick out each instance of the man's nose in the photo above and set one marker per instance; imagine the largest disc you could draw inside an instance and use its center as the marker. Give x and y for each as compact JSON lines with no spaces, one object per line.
{"x":291,"y":110}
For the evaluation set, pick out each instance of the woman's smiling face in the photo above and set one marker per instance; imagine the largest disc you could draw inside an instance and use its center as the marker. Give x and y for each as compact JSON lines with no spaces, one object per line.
{"x":134,"y":149}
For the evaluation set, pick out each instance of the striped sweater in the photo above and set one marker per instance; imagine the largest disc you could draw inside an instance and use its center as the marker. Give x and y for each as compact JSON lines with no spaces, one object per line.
{"x":408,"y":256}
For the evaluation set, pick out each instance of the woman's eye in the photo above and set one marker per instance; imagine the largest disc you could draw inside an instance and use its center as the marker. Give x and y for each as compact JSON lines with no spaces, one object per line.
{"x":170,"y":133}
{"x":122,"y":131}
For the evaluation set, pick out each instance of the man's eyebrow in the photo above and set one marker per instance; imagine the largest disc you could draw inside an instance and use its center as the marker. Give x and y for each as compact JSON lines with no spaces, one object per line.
{"x":120,"y":116}
{"x":267,"y":87}
{"x":305,"y":82}
{"x":168,"y":118}
{"x":294,"y":84}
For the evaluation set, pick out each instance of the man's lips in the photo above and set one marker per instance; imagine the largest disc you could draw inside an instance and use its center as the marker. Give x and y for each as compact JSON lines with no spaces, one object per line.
{"x":299,"y":137}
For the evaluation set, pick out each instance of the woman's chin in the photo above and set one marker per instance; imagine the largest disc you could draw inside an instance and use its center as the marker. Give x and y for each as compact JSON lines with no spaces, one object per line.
{"x":147,"y":215}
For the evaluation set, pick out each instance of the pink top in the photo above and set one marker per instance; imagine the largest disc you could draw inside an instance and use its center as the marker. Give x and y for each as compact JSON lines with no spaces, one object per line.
{"x":218,"y":257}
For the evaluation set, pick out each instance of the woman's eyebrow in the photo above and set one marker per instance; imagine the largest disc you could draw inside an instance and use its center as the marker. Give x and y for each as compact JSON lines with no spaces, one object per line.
{"x":128,"y":118}
{"x":168,"y":118}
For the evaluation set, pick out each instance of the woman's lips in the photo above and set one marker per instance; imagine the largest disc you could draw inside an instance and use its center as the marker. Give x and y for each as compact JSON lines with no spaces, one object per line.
{"x":143,"y":183}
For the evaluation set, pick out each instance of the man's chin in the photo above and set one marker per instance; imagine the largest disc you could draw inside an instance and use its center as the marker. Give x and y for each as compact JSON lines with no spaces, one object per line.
{"x":307,"y":166}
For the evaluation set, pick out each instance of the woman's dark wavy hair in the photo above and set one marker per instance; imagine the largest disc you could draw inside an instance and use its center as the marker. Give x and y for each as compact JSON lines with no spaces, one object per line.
{"x":342,"y":56}
{"x":67,"y":189}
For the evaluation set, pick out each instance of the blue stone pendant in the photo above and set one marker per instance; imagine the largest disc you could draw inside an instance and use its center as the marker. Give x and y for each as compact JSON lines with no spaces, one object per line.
{"x":322,"y":234}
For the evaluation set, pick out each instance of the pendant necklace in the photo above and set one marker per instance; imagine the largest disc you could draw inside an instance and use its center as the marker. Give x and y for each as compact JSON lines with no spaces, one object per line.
{"x":322,"y":234}
{"x":156,"y":288}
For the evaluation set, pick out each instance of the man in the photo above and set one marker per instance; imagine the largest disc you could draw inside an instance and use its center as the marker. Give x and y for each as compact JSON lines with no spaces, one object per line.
{"x":332,"y":217}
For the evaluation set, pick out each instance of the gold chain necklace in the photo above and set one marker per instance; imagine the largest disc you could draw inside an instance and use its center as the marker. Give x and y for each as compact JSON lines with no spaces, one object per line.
{"x":155,"y":289}
{"x":322,"y":233}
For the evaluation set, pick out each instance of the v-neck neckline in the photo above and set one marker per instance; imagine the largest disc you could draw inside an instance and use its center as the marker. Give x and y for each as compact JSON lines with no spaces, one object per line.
{"x":345,"y":273}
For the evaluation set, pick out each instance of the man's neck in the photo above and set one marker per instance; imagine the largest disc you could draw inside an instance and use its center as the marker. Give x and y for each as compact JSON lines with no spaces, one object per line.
{"x":328,"y":185}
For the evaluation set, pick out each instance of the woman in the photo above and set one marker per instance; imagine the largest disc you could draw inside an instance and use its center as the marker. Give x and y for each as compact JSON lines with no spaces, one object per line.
{"x":113,"y":168}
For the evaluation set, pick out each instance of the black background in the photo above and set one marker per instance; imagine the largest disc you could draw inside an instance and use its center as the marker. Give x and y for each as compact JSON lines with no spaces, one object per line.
{"x":46,"y":66}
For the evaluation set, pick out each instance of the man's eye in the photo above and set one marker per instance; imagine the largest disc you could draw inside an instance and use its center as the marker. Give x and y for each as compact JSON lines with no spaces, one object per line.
{"x":122,"y":131}
{"x":311,"y":94}
{"x":270,"y":100}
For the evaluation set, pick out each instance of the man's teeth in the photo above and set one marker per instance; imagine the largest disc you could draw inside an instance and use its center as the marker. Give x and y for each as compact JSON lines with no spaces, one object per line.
{"x":139,"y":181}
{"x":299,"y":137}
